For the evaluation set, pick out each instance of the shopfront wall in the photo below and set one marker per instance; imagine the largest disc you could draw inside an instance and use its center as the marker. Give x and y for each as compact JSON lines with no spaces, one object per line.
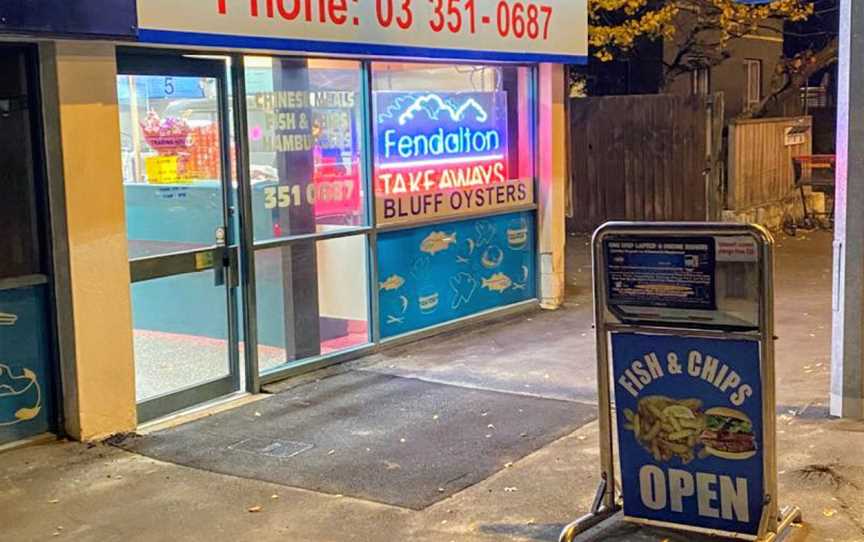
{"x":35,"y":291}
{"x":352,"y":200}
{"x":30,"y":357}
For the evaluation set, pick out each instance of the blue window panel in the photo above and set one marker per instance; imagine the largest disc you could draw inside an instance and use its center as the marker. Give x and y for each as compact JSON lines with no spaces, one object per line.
{"x":27,"y":376}
{"x":436,"y":274}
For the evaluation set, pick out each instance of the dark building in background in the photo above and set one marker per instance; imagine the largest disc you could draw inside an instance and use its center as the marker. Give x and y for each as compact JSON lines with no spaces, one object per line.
{"x":743,"y":72}
{"x":819,"y":96}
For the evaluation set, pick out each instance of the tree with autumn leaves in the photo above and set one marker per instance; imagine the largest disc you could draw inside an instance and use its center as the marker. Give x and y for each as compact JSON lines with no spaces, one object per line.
{"x":701,"y":30}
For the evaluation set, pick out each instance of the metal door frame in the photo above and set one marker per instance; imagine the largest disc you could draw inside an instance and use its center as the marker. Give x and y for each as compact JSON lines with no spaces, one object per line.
{"x":137,"y":62}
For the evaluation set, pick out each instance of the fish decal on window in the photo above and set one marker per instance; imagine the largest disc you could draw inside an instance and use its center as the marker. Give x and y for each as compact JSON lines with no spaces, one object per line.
{"x":436,"y":242}
{"x":499,"y":282}
{"x":394,"y":282}
{"x":20,"y":396}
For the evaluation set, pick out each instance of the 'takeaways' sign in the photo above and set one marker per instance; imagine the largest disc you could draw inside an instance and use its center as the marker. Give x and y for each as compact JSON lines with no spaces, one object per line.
{"x":528,"y":30}
{"x":689,"y":414}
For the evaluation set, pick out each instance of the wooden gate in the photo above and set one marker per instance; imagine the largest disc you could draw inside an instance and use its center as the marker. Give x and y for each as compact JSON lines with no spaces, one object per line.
{"x":641,"y":158}
{"x":760,"y":159}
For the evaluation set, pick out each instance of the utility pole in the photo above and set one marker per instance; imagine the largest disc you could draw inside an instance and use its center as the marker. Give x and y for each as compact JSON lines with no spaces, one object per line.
{"x":847,"y":363}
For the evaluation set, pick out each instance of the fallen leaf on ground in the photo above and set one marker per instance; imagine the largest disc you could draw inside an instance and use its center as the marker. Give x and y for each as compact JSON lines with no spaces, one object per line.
{"x":829,"y":512}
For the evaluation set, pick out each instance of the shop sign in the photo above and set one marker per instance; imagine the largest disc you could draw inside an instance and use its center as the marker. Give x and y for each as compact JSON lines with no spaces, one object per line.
{"x":441,"y":154}
{"x":87,"y":17}
{"x":661,"y":272}
{"x":690,"y":427}
{"x":25,"y":365}
{"x":296,"y":124}
{"x":436,"y":274}
{"x":527,"y":30}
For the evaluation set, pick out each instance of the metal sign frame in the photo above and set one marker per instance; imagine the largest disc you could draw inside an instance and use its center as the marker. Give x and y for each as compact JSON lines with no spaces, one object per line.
{"x":608,"y":502}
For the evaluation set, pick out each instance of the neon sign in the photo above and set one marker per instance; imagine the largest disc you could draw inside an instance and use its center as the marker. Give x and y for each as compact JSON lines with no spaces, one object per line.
{"x":442,"y":153}
{"x":457,"y":114}
{"x":440,"y":143}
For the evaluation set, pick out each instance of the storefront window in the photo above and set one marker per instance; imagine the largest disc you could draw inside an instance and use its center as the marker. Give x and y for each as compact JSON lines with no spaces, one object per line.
{"x":305,"y":134}
{"x":171,"y":152}
{"x":454,"y":147}
{"x":451,"y":140}
{"x":313,"y":299}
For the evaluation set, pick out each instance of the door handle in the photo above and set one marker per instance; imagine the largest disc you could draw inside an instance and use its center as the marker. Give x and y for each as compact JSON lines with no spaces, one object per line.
{"x":233,"y":265}
{"x":226,"y":267}
{"x":219,"y":265}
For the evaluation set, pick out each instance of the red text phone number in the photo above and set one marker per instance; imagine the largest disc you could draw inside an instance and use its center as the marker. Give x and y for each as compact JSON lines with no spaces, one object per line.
{"x":522,"y":20}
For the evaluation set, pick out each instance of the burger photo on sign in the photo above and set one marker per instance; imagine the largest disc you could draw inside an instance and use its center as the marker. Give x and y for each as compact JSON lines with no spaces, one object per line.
{"x":728,"y":434}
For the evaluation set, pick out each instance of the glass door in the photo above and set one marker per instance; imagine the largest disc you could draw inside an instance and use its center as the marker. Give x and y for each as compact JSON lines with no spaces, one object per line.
{"x":175,"y":131}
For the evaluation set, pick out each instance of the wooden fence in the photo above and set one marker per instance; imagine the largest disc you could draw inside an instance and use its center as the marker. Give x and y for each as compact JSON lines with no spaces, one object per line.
{"x":760,"y":168}
{"x":639,"y":158}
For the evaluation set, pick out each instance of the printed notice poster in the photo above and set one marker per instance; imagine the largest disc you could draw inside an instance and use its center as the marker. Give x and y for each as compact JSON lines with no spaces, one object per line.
{"x":677,"y":273}
{"x":689,"y":414}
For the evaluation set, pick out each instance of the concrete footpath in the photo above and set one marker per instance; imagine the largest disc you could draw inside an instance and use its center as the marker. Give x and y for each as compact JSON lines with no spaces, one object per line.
{"x":101,"y":492}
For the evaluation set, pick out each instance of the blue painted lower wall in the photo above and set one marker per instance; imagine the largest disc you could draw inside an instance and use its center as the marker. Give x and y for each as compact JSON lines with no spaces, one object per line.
{"x":27,"y":376}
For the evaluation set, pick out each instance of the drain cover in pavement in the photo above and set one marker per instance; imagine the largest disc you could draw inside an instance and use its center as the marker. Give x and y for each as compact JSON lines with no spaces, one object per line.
{"x":377,"y":437}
